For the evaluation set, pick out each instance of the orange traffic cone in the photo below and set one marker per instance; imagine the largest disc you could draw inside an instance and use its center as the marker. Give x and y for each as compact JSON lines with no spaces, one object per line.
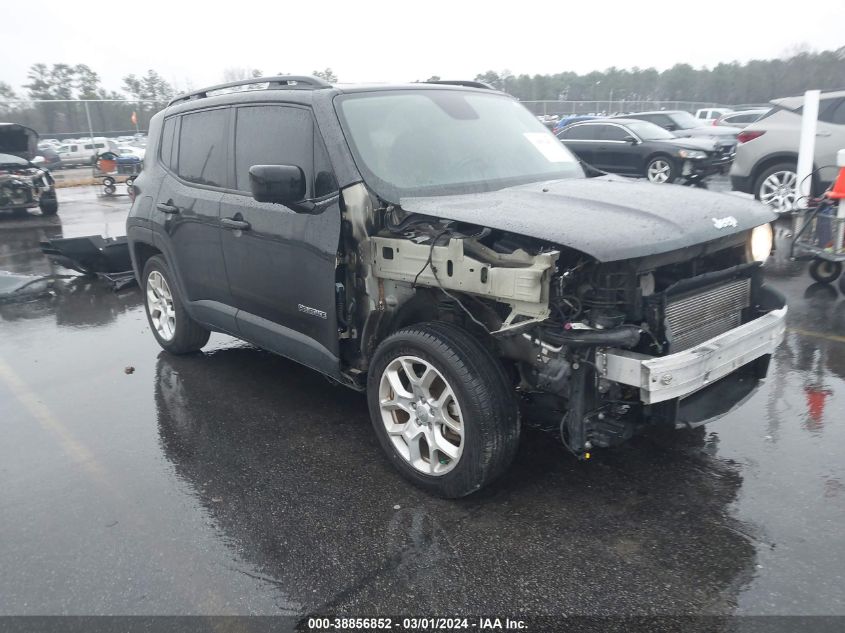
{"x":838,"y":190}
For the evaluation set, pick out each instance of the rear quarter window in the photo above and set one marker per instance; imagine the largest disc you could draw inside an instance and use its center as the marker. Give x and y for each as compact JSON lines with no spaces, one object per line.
{"x":166,"y":147}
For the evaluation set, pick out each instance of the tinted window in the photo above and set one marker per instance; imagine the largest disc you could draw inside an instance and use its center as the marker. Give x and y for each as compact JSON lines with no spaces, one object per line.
{"x":613,"y":133}
{"x":835,"y":113}
{"x":654,"y":118}
{"x":324,"y":180}
{"x":273,"y":135}
{"x":580,"y":132}
{"x":741,"y":118}
{"x":202,"y":148}
{"x":166,"y":150}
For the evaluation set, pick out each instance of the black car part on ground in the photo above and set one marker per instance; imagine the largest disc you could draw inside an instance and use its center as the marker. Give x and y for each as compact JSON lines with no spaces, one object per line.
{"x":89,"y":255}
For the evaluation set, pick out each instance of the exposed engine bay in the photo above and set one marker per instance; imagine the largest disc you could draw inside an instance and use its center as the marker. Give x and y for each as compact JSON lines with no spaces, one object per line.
{"x":550,"y":313}
{"x":22,"y":185}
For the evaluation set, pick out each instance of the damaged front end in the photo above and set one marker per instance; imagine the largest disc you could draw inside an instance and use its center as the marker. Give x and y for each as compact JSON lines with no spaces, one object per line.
{"x":22,"y":184}
{"x":597,"y":350}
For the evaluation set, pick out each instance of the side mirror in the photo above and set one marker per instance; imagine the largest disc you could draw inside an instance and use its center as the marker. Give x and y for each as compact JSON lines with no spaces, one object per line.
{"x":630,"y":139}
{"x":671,"y":127}
{"x":282,"y":184}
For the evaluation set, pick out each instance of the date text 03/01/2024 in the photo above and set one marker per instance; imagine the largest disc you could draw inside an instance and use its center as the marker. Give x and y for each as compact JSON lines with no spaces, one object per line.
{"x":415,"y":624}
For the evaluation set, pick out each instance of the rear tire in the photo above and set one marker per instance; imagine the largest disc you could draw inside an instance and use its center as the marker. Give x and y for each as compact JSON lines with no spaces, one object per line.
{"x":479,"y":414}
{"x":825,"y":271}
{"x":171,"y":324}
{"x":776,"y":187}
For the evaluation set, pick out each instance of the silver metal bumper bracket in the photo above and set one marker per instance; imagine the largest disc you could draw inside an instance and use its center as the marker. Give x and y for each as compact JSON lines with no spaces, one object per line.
{"x":661,"y":378}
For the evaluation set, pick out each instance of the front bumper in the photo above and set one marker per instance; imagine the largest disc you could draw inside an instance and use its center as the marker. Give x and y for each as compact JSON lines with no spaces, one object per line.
{"x":662,"y":378}
{"x":703,"y":168}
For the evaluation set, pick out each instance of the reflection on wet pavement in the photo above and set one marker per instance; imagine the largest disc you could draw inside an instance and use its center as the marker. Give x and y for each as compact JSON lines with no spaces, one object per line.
{"x":234,"y":481}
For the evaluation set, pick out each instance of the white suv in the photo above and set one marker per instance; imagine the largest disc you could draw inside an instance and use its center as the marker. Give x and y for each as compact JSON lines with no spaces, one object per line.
{"x":767,"y":153}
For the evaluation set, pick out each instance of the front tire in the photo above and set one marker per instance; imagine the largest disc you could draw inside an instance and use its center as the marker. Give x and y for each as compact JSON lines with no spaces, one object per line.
{"x":443,"y":409}
{"x":49,"y":205}
{"x":825,"y":271}
{"x":172,"y":326}
{"x":660,"y":170}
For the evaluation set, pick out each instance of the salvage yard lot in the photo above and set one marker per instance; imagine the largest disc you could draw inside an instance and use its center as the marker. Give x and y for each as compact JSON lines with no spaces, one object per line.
{"x":235,"y":482}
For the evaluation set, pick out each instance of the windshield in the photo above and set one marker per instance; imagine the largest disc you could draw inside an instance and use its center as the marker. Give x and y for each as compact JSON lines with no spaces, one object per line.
{"x":684,"y":120}
{"x":649,"y":131}
{"x":440,"y":142}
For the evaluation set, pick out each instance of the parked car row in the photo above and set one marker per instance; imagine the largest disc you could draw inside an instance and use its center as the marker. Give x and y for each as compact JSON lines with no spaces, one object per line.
{"x":633,"y":147}
{"x":767,"y":155}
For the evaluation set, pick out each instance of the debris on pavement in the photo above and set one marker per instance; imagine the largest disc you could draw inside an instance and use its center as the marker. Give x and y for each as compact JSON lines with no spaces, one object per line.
{"x":108,"y":258}
{"x":14,"y":287}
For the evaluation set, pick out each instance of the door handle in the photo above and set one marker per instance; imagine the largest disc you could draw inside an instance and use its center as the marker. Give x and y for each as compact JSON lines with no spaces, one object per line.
{"x":822,"y":133}
{"x":237,"y":225}
{"x":167,"y":208}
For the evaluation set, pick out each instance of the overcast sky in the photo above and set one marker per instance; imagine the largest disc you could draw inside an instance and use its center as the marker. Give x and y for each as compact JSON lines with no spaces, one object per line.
{"x":371,"y":40}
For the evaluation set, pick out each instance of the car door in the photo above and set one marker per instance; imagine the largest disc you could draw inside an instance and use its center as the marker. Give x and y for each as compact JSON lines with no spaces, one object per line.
{"x":830,"y":138}
{"x":580,"y":139}
{"x":188,"y":211}
{"x":72,"y":154}
{"x":616,"y":154}
{"x":281,"y":264}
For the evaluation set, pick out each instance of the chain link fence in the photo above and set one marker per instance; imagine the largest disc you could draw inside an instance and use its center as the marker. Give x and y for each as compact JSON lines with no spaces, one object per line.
{"x":77,"y":118}
{"x":64,"y":119}
{"x":619,"y":106}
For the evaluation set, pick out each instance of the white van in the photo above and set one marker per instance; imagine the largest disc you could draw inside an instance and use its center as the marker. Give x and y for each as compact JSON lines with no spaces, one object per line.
{"x":83,"y":152}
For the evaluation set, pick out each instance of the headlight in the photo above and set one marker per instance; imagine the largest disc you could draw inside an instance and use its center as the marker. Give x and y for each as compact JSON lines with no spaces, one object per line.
{"x":760,"y":243}
{"x":692,"y":153}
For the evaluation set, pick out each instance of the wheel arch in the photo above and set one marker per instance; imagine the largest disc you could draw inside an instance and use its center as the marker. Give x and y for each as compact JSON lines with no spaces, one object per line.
{"x":141,"y":253}
{"x":771,"y":160}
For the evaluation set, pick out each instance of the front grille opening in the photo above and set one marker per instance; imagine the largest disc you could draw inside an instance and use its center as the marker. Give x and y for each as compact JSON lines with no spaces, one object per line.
{"x":703,"y":314}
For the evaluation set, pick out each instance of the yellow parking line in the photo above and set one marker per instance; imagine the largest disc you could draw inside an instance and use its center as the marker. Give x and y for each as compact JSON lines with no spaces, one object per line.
{"x":50,"y":423}
{"x":810,"y":333}
{"x":210,"y":602}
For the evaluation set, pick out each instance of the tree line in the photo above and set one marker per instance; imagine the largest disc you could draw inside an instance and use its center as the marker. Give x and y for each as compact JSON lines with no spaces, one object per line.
{"x":730,"y":83}
{"x":59,"y":93}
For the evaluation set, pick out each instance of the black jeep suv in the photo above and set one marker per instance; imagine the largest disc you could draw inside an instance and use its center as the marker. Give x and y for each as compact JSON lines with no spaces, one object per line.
{"x":435,"y":246}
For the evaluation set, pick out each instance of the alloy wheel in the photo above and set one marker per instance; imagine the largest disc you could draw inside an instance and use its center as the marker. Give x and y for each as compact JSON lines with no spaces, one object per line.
{"x":421,"y":415}
{"x":160,"y":306}
{"x":659,"y":171}
{"x":779,"y":191}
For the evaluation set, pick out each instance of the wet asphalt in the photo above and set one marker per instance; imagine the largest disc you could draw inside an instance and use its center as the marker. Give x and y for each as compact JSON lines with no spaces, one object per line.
{"x":236,"y":482}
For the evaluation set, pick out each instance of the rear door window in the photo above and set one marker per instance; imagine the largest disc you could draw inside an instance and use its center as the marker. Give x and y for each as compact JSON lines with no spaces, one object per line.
{"x":274,"y":135}
{"x":580,"y":133}
{"x":202,"y":147}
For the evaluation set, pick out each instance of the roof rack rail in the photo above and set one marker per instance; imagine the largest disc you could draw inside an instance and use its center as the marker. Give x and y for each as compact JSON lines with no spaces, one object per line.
{"x":462,"y":82}
{"x":290,"y":82}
